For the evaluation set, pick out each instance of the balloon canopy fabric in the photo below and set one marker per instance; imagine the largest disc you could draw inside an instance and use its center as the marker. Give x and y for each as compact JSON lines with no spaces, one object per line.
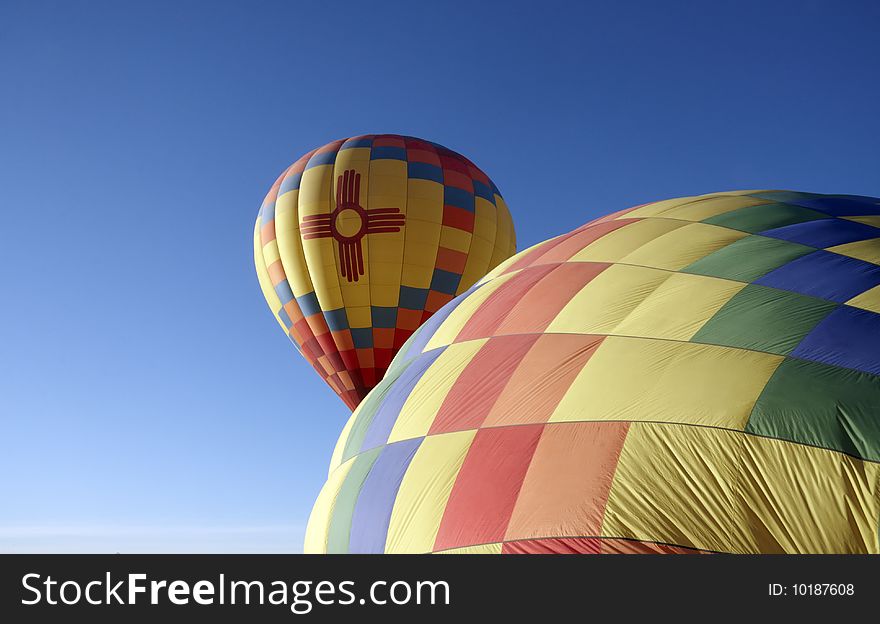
{"x":360,"y":241}
{"x":694,"y":375}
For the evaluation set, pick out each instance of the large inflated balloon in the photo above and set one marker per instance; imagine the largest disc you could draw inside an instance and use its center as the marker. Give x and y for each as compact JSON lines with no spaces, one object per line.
{"x":693,"y":375}
{"x":360,"y":241}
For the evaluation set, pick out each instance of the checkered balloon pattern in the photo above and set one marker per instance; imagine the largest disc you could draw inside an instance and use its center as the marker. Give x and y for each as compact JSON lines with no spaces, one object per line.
{"x":694,"y":375}
{"x":359,"y":242}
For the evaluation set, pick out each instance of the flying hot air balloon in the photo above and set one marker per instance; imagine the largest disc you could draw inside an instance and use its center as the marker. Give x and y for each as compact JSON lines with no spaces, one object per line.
{"x":693,"y":375}
{"x":360,"y":241}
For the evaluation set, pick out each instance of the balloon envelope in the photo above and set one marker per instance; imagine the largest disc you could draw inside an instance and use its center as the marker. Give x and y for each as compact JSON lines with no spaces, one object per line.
{"x":360,"y":241}
{"x":693,"y":375}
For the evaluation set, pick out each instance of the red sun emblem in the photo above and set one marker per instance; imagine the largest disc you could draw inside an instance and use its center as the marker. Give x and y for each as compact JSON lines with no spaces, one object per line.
{"x":350,"y":222}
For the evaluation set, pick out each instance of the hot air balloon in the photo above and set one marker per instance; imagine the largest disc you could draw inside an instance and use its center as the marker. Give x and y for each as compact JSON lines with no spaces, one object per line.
{"x":694,"y":375}
{"x":360,"y":241}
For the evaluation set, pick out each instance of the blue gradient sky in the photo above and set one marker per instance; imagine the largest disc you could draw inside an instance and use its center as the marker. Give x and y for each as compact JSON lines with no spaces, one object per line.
{"x":148,"y":401}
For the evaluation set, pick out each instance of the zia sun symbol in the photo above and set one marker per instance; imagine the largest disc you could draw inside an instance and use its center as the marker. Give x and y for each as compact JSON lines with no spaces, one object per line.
{"x":350,"y":222}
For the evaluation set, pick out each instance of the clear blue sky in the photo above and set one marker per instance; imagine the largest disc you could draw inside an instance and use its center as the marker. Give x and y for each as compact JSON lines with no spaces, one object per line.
{"x":148,"y":401}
